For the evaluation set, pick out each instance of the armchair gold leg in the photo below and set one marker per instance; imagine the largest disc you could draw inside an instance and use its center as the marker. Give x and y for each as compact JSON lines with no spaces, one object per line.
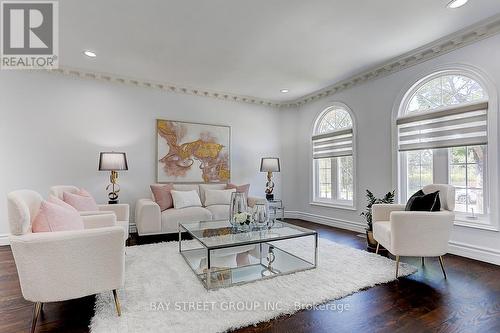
{"x":117,"y":303}
{"x":36,"y":313}
{"x":378,"y":245}
{"x":397,"y":266}
{"x":441,"y":262}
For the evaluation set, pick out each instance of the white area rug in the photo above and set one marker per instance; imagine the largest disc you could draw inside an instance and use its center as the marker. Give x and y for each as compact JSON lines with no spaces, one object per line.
{"x":162,"y":294}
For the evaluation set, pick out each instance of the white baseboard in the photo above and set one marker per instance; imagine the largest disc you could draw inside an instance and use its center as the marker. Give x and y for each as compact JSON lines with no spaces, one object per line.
{"x":458,"y":248}
{"x":4,"y":239}
{"x":475,"y":252}
{"x":326,"y":220}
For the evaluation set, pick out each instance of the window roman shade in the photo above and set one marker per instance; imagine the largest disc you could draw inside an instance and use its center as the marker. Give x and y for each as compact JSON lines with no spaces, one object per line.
{"x":333,"y":144}
{"x":453,"y":126}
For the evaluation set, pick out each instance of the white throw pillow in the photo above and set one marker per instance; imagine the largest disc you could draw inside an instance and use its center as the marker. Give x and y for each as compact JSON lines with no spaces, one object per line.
{"x":183,"y":199}
{"x":218,"y":197}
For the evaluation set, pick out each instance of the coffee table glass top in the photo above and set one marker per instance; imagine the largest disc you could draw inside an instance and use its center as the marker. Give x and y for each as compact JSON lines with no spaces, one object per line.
{"x":220,"y":234}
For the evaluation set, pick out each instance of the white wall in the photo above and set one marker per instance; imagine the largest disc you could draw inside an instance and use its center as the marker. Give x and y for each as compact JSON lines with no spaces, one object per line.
{"x":52,"y":128}
{"x":373,"y":103}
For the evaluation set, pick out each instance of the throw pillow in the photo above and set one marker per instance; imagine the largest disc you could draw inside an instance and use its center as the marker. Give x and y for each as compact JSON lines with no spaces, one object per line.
{"x":82,"y":201}
{"x":424,"y":202}
{"x":54,"y":217}
{"x":162,"y":195}
{"x":55,"y":200}
{"x":240,"y":189}
{"x":183,"y":199}
{"x":218,"y":197}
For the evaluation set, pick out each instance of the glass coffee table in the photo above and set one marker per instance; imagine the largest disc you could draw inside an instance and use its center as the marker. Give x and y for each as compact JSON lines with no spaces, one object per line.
{"x":223,"y":256}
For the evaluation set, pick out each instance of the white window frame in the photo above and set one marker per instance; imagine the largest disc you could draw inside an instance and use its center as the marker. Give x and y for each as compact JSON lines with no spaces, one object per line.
{"x":488,"y":221}
{"x":314,"y":188}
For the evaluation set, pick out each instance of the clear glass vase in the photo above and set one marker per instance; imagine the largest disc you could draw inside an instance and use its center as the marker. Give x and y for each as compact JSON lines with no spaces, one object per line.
{"x":237,"y":205}
{"x":261,"y":215}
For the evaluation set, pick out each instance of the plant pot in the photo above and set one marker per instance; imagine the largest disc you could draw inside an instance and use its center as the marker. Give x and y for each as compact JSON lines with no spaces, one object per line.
{"x":370,"y":241}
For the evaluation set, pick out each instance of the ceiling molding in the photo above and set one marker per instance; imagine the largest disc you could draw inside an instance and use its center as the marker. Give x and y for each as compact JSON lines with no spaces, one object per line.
{"x":167,"y":87}
{"x":454,"y":41}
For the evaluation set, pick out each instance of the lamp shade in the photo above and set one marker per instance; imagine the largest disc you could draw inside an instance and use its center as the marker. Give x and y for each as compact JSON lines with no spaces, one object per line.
{"x":270,"y":164}
{"x":112,"y":161}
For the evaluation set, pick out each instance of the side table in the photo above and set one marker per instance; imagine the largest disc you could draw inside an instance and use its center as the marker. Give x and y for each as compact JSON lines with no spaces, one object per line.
{"x":277,"y":209}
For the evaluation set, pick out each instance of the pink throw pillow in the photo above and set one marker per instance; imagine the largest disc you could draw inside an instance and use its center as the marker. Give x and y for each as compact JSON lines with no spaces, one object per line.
{"x":54,"y":217}
{"x":163,"y":196}
{"x":240,"y":189}
{"x":82,"y":201}
{"x":55,"y":200}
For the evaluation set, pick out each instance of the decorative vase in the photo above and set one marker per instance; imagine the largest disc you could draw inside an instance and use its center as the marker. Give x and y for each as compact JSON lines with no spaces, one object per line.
{"x":261,"y":215}
{"x":237,"y":205}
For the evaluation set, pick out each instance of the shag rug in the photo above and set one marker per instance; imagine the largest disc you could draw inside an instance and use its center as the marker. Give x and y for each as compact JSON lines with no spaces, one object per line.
{"x":162,"y":294}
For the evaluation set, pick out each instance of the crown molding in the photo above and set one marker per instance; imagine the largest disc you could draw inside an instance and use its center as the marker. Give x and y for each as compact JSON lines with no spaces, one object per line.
{"x":163,"y":86}
{"x":454,"y":41}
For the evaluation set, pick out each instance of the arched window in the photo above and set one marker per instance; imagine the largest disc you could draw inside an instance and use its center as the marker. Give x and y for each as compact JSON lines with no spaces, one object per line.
{"x":333,"y":147}
{"x":443,"y":138}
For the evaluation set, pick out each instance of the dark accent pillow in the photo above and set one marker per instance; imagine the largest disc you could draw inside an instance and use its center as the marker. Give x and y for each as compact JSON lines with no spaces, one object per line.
{"x":424,"y":202}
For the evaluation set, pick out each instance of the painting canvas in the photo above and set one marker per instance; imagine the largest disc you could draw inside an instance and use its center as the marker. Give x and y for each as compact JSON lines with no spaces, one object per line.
{"x":192,"y":152}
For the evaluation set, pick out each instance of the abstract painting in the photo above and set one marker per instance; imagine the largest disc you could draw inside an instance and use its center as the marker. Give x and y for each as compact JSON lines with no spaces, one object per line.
{"x":192,"y":152}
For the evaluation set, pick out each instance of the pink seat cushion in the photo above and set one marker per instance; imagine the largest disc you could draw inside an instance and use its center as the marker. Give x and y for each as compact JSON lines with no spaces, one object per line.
{"x":239,"y":188}
{"x":163,"y":196}
{"x":82,"y":201}
{"x":55,"y":217}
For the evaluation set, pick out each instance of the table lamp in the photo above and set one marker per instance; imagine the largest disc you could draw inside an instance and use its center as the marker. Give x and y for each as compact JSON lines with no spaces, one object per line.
{"x":114,"y":162}
{"x":270,"y":165}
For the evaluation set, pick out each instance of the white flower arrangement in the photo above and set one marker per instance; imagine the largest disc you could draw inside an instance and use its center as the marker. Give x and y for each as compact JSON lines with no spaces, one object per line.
{"x":243,"y":217}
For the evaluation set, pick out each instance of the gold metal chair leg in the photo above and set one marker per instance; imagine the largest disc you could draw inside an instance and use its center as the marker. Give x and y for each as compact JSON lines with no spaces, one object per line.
{"x":36,"y":313}
{"x":397,"y":266}
{"x":117,"y":303}
{"x":378,"y":245}
{"x":442,"y":265}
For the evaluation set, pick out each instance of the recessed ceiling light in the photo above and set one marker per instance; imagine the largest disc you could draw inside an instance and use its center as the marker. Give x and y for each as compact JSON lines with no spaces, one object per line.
{"x":284,"y":91}
{"x":456,"y":3}
{"x":90,"y":54}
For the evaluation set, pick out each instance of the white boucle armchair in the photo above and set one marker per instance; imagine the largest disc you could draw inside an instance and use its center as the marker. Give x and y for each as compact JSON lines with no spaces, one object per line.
{"x":416,"y":233}
{"x":58,"y":266}
{"x":121,"y":210}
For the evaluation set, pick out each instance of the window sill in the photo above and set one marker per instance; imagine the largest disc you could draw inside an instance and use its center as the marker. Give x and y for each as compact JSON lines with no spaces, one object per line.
{"x":478,"y":224}
{"x":332,"y":205}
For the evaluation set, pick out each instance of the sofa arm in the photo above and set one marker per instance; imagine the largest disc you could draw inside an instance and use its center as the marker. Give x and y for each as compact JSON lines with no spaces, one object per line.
{"x":423,"y":234}
{"x":122,"y":211}
{"x":252,"y":201}
{"x":382,"y":212}
{"x":94,"y":212}
{"x":99,"y":221}
{"x":56,"y":266}
{"x":147,"y":217}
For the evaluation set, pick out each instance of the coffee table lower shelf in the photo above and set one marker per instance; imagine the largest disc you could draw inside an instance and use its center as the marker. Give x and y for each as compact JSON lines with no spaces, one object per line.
{"x":264,"y":261}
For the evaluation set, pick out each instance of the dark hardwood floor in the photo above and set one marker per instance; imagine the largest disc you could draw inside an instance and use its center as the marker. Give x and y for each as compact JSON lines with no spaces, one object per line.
{"x":468,"y":301}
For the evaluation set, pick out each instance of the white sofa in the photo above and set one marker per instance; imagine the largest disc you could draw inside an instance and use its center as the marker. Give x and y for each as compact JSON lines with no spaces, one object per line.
{"x":150,"y":220}
{"x":63,"y":265}
{"x":120,"y":210}
{"x":416,"y":233}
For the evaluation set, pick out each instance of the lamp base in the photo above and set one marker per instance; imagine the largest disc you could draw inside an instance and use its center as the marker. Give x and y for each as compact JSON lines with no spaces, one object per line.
{"x":113,"y":202}
{"x":270,"y":196}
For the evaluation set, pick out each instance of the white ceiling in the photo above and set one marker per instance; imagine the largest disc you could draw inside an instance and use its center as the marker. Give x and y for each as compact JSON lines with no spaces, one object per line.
{"x":255,"y":47}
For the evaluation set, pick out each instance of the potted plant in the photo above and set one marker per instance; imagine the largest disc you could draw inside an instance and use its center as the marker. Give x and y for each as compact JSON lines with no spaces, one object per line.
{"x":370,"y":197}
